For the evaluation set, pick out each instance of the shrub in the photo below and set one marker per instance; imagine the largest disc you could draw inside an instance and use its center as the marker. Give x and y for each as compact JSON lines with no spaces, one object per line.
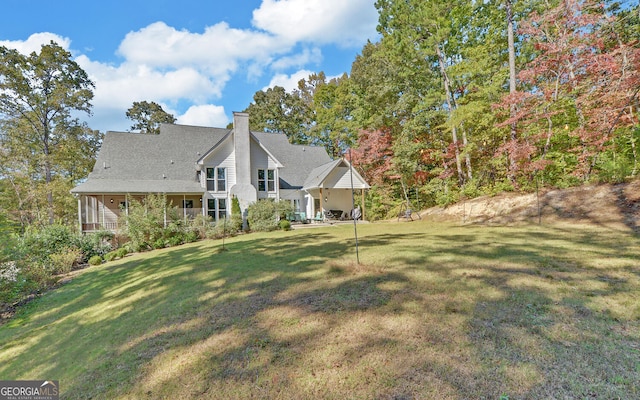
{"x":94,"y":244}
{"x":175,"y":240}
{"x":61,"y":263}
{"x":159,"y":244}
{"x":144,"y":221}
{"x":285,"y":225}
{"x":264,"y":215}
{"x":121,"y":252}
{"x":200,"y":224}
{"x":191,"y":236}
{"x":95,"y":260}
{"x":110,"y":256}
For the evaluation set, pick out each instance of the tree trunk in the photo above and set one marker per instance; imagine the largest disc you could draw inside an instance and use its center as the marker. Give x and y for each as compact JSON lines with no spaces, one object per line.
{"x":454,"y":131}
{"x":512,"y":78}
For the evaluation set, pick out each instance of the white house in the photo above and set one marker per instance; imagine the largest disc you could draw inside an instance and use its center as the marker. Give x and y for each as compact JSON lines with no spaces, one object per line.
{"x":200,"y":169}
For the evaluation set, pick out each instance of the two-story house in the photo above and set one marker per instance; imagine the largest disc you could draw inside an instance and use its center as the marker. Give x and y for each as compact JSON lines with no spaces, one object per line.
{"x":200,"y":169}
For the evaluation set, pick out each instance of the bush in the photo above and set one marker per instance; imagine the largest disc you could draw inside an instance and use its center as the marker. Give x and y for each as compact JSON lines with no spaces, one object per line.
{"x":61,"y":263}
{"x":175,"y":240}
{"x":95,"y":260}
{"x":285,"y":225}
{"x":121,"y":252}
{"x":94,"y":244}
{"x":191,"y":236}
{"x":159,"y":244}
{"x":110,"y":256}
{"x":144,"y":221}
{"x":200,"y":224}
{"x":264,"y":215}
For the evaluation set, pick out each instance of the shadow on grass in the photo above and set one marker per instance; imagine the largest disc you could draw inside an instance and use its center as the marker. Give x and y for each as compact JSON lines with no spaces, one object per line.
{"x":466,"y":313}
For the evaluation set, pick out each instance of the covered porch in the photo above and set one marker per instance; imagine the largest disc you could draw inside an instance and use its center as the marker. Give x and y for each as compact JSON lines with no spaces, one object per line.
{"x":102,"y":211}
{"x":334,"y":188}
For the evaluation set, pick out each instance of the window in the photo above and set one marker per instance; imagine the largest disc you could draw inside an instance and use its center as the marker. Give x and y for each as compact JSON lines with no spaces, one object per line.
{"x":217,"y":208}
{"x":221,"y":179}
{"x":187,"y":203}
{"x":266,"y":180}
{"x":211,"y":179}
{"x":217,"y":179}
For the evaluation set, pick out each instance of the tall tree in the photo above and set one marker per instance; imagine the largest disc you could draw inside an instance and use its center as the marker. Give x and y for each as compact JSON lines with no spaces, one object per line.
{"x":148,"y":116}
{"x":276,"y":110}
{"x":38,"y":94}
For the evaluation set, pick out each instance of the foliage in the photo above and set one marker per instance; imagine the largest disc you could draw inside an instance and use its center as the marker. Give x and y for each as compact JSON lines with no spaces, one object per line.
{"x":145,"y":220}
{"x":61,"y":263}
{"x":275,"y":110}
{"x":284,"y":225}
{"x":96,"y":243}
{"x":235,"y":222}
{"x":95,"y":260}
{"x":44,"y":149}
{"x":264,"y":215}
{"x":148,"y":116}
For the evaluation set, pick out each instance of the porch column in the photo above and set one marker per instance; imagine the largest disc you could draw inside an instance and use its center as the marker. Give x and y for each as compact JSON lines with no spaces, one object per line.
{"x":184,"y":204}
{"x":363,"y":207}
{"x":103,"y":222}
{"x":80,"y":212}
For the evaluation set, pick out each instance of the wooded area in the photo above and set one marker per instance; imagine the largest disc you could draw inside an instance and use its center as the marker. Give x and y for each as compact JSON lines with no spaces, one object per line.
{"x":456,"y":99}
{"x":460,"y":99}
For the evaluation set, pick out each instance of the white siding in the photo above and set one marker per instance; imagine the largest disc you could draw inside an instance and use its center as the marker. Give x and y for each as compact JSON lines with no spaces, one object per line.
{"x":223,"y":156}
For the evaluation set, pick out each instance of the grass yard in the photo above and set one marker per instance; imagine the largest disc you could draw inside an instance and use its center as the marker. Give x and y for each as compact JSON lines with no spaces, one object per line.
{"x":432,"y":311}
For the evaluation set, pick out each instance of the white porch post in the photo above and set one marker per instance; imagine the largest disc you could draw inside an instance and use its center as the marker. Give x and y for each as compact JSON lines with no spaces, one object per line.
{"x":103,"y":222}
{"x":80,"y":212}
{"x":184,"y":206}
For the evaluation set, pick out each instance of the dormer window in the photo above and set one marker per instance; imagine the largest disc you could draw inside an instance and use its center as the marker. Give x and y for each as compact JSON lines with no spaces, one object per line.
{"x":217,"y":179}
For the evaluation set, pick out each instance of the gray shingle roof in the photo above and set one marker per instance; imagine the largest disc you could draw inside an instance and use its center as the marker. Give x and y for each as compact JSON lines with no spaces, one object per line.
{"x":298,"y":160}
{"x":165,"y":163}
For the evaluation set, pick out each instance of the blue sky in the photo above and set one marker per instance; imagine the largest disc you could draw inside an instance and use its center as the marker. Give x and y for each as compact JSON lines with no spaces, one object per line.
{"x":201,"y":60}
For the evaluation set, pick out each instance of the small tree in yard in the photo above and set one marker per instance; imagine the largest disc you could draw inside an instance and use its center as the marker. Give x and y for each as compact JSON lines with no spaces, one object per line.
{"x":144,"y":222}
{"x":264,"y":215}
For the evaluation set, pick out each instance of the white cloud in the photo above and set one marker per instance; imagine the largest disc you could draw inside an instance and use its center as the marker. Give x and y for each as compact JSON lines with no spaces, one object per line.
{"x":218,"y":50}
{"x":307,"y":56}
{"x":204,"y":115}
{"x":35,"y":42}
{"x":180,"y":68}
{"x":318,"y":21}
{"x":288,"y":82}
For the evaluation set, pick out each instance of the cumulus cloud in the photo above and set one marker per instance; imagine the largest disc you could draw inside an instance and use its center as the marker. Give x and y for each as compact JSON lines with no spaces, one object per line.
{"x":318,"y":21}
{"x":204,"y":115}
{"x":288,"y":82}
{"x":35,"y":42}
{"x":180,"y":68}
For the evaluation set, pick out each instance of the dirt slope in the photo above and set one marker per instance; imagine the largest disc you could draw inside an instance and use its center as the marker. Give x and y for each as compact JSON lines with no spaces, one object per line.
{"x":611,"y":205}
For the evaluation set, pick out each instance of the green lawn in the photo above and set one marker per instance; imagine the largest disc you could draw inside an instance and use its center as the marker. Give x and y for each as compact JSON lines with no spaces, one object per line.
{"x":432,"y":311}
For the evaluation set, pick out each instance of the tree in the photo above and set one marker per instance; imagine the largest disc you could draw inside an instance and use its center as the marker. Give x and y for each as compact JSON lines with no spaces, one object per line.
{"x":148,"y":116}
{"x":277,"y":111}
{"x":38,"y":94}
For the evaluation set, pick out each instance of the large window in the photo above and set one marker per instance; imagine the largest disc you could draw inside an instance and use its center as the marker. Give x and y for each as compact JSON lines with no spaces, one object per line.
{"x":217,"y":179}
{"x":266,"y":180}
{"x":217,"y":208}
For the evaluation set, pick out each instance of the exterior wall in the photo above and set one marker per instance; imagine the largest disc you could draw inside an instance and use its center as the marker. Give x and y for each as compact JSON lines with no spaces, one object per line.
{"x":261,"y":160}
{"x":223,"y":157}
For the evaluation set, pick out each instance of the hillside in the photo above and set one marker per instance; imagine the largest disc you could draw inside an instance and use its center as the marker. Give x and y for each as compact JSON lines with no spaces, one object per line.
{"x":606,"y":205}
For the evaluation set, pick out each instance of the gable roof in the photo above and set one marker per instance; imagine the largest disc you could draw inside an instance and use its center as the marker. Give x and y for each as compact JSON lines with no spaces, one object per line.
{"x":340,"y":168}
{"x":166,"y":163}
{"x":298,"y":160}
